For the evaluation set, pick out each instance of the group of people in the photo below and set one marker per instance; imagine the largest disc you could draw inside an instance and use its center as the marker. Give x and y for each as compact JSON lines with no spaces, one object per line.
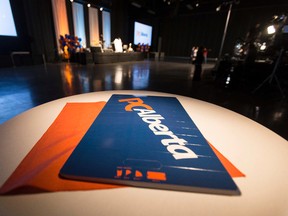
{"x":198,"y":56}
{"x":142,"y":47}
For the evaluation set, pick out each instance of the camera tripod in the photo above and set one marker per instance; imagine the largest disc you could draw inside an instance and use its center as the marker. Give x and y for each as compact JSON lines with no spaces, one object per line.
{"x":273,"y":75}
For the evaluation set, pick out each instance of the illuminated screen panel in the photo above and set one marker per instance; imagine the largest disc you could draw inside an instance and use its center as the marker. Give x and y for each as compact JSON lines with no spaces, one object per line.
{"x":79,"y":22}
{"x":7,"y":25}
{"x":142,"y":33}
{"x":106,"y":28}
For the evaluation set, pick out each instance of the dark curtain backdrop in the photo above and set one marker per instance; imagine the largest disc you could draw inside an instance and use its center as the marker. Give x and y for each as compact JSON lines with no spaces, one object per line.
{"x":70,"y":17}
{"x":119,"y":20}
{"x":41,"y":28}
{"x":180,"y":34}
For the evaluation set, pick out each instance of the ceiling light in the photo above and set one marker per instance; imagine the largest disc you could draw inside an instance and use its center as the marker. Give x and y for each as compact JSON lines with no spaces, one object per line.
{"x":136,"y":5}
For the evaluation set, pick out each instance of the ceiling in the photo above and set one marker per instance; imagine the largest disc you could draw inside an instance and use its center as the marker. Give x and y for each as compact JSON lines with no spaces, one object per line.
{"x":172,"y":8}
{"x":187,"y":7}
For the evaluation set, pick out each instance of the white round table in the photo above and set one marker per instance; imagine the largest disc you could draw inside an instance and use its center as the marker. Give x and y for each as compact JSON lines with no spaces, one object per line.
{"x":257,"y":151}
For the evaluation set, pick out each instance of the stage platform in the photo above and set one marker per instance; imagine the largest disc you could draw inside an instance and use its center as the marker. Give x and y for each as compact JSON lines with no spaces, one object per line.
{"x":111,"y":57}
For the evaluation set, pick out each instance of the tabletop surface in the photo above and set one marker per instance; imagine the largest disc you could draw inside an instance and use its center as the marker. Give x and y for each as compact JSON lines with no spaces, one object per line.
{"x":255,"y":150}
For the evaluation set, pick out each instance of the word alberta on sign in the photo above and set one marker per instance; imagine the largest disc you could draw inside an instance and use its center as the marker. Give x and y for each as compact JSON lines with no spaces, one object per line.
{"x":148,"y":141}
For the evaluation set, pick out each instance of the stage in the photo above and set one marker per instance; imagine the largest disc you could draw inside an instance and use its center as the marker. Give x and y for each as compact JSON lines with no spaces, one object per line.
{"x":111,"y":57}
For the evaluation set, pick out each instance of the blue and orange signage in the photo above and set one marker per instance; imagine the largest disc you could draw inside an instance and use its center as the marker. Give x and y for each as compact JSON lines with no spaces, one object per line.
{"x":148,"y":141}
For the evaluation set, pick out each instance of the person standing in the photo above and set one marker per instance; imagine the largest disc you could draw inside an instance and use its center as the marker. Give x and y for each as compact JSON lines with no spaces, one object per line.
{"x":205,"y":54}
{"x":198,"y":64}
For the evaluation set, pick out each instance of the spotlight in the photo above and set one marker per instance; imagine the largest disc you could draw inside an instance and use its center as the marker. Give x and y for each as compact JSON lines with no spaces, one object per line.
{"x":71,"y":0}
{"x":263,"y":46}
{"x":218,"y":8}
{"x":101,"y":8}
{"x":271,"y":29}
{"x":88,"y":5}
{"x":197,"y":4}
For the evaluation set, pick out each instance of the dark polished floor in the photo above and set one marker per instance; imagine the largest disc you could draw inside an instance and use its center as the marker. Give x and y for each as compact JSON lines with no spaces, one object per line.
{"x":22,"y":88}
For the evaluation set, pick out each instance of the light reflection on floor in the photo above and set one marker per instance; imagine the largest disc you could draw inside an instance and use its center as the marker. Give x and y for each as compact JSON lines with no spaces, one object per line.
{"x":25,"y":87}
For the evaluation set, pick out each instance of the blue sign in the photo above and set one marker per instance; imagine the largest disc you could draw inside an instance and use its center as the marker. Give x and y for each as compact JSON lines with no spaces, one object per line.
{"x":148,"y":141}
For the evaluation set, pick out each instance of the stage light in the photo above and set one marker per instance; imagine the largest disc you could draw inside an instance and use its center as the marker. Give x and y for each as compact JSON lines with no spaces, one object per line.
{"x":88,"y":5}
{"x":101,"y":8}
{"x":71,"y":0}
{"x":271,"y":29}
{"x":197,"y":4}
{"x":135,"y":4}
{"x":218,"y":8}
{"x":228,"y":79}
{"x":263,"y":46}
